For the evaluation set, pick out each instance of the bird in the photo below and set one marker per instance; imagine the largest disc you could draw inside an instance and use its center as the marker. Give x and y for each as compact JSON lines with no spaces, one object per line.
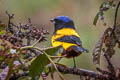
{"x":65,"y":35}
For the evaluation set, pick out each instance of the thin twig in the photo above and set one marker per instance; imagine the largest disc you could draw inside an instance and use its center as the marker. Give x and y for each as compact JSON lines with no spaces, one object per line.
{"x":9,"y":28}
{"x":103,"y":71}
{"x":116,"y":13}
{"x":28,"y":38}
{"x":37,"y":41}
{"x":110,"y":65}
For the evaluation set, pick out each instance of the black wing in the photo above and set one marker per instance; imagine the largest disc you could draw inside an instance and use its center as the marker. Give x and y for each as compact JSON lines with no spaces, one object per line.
{"x":70,"y":39}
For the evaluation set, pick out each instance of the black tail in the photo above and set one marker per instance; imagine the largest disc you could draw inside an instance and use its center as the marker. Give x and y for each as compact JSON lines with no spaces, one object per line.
{"x":79,"y":49}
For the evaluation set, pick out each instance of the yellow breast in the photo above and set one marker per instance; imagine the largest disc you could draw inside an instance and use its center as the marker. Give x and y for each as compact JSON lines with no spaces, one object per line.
{"x":61,"y":33}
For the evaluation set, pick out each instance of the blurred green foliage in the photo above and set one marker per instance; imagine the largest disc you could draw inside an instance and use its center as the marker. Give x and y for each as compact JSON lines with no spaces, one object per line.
{"x":28,"y":8}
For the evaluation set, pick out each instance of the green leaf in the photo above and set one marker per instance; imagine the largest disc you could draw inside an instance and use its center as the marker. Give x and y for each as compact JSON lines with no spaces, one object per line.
{"x":2,"y":58}
{"x":102,"y":5}
{"x":54,"y":51}
{"x":47,"y":70}
{"x":95,"y":20}
{"x":110,"y":3}
{"x":38,"y":65}
{"x":2,"y":28}
{"x":2,"y":32}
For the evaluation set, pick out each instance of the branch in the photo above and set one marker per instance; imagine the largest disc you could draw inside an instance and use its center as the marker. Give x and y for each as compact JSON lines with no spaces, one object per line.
{"x":10,"y":28}
{"x":110,"y":67}
{"x":67,"y":70}
{"x":116,"y":12}
{"x":81,"y":72}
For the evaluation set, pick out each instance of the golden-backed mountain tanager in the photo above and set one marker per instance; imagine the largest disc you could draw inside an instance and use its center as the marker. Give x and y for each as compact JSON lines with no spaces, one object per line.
{"x":65,"y":35}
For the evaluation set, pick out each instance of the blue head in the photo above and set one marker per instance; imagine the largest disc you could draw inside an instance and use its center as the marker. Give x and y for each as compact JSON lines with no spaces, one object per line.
{"x":63,"y":18}
{"x":62,"y":22}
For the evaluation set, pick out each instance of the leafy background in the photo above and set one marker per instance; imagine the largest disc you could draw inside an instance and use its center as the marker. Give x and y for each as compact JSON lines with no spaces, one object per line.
{"x":81,"y":11}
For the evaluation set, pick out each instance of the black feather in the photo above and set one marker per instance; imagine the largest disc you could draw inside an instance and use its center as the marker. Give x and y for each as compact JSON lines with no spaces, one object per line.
{"x":70,"y":39}
{"x":79,"y":49}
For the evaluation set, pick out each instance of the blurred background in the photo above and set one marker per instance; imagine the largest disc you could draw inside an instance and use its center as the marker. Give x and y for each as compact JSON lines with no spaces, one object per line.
{"x":82,"y":12}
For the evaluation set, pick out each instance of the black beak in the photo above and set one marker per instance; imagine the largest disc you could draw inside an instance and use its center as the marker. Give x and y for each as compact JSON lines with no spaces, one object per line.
{"x":52,"y":20}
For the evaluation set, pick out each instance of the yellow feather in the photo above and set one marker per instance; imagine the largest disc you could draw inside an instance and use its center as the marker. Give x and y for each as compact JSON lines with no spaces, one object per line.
{"x":61,"y":33}
{"x":67,"y":31}
{"x":64,"y":44}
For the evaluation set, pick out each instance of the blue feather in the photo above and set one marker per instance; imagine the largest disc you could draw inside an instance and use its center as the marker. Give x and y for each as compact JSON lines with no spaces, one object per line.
{"x":63,"y":18}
